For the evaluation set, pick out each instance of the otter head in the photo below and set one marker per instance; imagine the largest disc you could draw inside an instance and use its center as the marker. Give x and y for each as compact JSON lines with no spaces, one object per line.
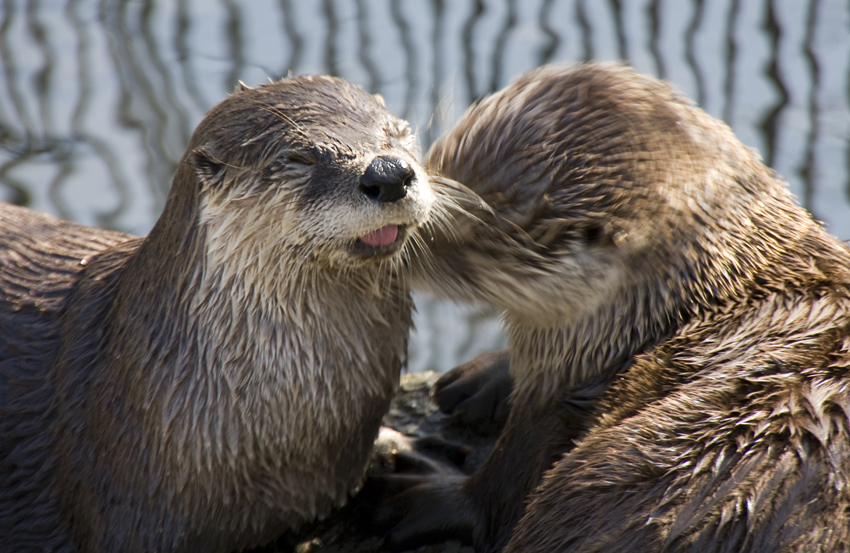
{"x":613,"y":198}
{"x":307,"y":168}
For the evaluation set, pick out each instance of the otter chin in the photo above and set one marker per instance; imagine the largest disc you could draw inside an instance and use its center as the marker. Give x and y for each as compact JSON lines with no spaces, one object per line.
{"x":220,"y":381}
{"x":679,"y":330}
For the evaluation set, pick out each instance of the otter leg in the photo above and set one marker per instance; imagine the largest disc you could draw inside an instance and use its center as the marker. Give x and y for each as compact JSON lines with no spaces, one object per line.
{"x":483,"y":509}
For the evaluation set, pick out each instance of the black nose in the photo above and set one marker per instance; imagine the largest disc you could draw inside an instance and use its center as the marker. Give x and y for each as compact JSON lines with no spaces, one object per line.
{"x":386,"y":179}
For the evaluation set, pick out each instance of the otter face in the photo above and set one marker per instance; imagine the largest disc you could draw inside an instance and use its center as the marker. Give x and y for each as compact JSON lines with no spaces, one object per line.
{"x":604,"y":187}
{"x":363,"y":207}
{"x":313,"y":166}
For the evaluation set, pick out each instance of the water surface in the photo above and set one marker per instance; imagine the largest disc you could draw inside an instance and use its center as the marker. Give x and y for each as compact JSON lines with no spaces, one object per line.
{"x":98,"y":99}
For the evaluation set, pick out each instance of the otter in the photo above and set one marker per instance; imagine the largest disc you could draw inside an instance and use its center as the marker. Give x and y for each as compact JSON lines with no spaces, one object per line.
{"x":222,"y":380}
{"x":679,"y":330}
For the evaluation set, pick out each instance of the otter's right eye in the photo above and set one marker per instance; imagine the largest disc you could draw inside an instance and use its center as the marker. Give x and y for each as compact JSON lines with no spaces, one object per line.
{"x":302,"y":157}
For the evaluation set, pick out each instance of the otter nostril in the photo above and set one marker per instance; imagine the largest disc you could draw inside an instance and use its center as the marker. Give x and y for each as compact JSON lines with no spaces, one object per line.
{"x":387,"y":179}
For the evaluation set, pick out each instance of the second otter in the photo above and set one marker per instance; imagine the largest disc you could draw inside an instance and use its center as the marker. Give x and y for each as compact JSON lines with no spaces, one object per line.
{"x":678,"y":330}
{"x":223,"y":379}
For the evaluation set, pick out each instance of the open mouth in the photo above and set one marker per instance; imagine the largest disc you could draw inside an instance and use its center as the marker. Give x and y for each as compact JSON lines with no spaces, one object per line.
{"x":385,"y":240}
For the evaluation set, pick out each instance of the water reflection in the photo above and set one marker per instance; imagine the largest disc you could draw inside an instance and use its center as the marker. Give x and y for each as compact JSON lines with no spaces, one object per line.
{"x":98,"y":99}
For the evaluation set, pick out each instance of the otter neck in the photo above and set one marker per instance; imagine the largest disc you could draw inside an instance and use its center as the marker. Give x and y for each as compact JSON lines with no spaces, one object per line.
{"x":233,"y":326}
{"x":665,"y":292}
{"x":220,"y":311}
{"x":589,"y":352}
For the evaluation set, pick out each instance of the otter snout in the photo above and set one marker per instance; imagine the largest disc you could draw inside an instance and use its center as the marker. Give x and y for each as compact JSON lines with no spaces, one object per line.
{"x":387,"y":179}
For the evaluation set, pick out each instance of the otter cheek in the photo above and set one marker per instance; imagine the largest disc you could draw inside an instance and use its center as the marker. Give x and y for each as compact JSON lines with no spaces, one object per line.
{"x":382,"y":237}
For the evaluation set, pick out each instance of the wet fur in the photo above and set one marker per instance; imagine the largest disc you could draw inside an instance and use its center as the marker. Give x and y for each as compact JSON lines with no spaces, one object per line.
{"x":678,"y":326}
{"x":221,"y":380}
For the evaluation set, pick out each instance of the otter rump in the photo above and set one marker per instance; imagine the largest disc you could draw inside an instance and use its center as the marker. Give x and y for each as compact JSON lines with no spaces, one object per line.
{"x":221,"y":380}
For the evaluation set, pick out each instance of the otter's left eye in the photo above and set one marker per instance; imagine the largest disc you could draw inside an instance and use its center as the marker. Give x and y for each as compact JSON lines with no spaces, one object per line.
{"x":304,"y":157}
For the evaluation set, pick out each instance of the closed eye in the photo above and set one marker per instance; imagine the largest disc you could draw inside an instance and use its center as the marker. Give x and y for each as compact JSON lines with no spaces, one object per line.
{"x":304,"y":157}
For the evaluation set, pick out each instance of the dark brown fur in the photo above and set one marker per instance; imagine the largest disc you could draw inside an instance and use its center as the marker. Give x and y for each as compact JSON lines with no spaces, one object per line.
{"x":678,"y":327}
{"x":223,"y":379}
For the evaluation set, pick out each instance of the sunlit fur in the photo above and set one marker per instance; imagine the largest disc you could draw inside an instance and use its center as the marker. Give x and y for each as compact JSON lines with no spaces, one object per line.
{"x":633,"y":239}
{"x":221,"y":380}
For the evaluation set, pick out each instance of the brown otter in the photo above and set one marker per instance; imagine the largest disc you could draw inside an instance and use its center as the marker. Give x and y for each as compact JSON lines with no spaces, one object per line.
{"x":679,"y":330}
{"x":223,"y":379}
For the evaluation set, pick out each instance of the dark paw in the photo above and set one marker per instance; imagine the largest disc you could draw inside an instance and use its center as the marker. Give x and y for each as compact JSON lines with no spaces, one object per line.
{"x":396,"y":453}
{"x":414,"y":496}
{"x":476,"y":393}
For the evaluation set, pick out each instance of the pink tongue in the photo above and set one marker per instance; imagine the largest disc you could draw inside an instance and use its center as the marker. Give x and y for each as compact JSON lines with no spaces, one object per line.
{"x":381,"y":237}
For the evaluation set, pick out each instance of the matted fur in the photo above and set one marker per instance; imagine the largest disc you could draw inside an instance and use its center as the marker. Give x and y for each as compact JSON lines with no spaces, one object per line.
{"x":223,"y":379}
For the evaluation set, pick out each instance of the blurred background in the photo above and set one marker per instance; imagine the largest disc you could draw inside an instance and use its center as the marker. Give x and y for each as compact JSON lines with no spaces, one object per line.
{"x":99,"y":98}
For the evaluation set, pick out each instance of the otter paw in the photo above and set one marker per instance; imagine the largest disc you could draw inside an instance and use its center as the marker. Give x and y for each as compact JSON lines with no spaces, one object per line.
{"x":394,"y":453}
{"x":476,"y":393}
{"x":431,"y":511}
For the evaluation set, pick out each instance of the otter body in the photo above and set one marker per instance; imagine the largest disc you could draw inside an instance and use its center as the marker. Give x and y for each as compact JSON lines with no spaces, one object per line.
{"x":221,"y":380}
{"x":679,"y":330}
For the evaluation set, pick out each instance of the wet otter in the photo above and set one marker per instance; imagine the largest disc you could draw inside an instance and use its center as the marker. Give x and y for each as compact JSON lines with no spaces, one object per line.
{"x":223,"y":379}
{"x":679,"y":330}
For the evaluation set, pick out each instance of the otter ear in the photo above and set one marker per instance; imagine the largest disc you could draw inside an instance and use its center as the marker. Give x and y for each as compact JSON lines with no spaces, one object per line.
{"x":206,"y":164}
{"x":380,"y":99}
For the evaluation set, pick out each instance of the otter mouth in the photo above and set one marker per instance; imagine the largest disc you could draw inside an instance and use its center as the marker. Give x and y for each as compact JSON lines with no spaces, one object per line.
{"x":382,"y":242}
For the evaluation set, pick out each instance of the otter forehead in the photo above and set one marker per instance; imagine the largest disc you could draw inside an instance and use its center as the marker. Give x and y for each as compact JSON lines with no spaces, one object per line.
{"x":310,"y":116}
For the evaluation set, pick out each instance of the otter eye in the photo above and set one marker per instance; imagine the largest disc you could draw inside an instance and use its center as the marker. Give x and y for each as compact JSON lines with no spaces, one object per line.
{"x":304,"y":157}
{"x":592,"y":234}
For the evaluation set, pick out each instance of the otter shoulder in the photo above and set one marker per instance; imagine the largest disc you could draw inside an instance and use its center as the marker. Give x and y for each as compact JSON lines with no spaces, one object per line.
{"x":41,"y":256}
{"x":41,"y":260}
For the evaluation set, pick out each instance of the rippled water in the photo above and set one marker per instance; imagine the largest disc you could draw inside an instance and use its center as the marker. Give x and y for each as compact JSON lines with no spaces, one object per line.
{"x":98,"y":99}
